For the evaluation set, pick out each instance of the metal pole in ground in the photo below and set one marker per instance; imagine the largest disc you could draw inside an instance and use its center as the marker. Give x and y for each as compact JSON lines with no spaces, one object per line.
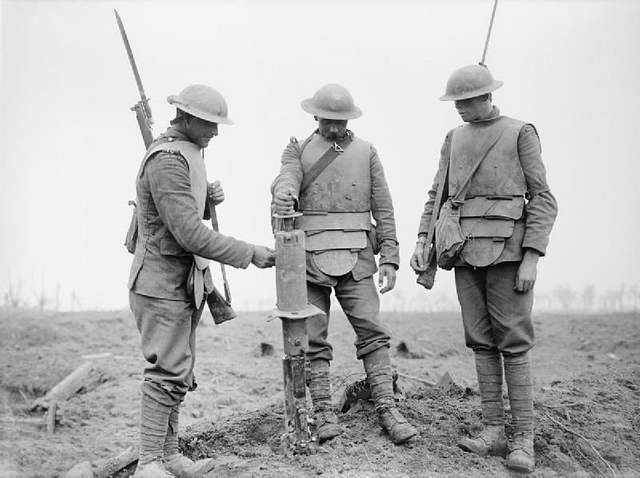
{"x":293,"y":309}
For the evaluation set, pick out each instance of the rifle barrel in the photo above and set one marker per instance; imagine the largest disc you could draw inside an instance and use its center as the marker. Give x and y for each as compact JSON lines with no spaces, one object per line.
{"x":486,"y":42}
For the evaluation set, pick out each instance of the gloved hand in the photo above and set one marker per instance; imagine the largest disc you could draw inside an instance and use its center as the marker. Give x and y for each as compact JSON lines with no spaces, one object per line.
{"x":388,"y":272}
{"x":420,"y":255}
{"x":284,"y":202}
{"x":263,"y":257}
{"x":215,"y":192}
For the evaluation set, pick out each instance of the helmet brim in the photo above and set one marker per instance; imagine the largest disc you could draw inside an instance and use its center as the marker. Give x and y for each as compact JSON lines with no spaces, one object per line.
{"x":473,"y":93}
{"x":173,"y":100}
{"x":309,"y":106}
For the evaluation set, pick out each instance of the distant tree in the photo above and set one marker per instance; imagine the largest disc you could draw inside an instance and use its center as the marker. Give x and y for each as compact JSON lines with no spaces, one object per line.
{"x":588,"y":297}
{"x":634,"y":295}
{"x":564,"y":296}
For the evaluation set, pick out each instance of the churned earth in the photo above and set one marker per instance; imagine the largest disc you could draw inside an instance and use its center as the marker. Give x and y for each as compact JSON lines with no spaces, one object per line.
{"x":587,"y":391}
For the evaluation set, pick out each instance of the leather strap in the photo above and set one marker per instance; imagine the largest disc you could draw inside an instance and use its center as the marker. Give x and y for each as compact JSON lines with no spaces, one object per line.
{"x":323,"y":163}
{"x":488,"y":145}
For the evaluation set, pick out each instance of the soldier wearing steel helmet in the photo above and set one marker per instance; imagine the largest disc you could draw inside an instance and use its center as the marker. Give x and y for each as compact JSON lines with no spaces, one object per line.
{"x":171,"y":254}
{"x":338,"y":198}
{"x":506,"y":214}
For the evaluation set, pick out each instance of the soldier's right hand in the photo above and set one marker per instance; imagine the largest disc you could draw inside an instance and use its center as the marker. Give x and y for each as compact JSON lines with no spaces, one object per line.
{"x":263,"y":257}
{"x":418,"y":260}
{"x":284,"y":202}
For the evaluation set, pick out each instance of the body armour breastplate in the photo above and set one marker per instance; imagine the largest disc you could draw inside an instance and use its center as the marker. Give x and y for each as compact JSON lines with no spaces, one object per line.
{"x":500,"y":174}
{"x":336,"y":206}
{"x":345,"y":185}
{"x":197,"y":173}
{"x":495,"y":194}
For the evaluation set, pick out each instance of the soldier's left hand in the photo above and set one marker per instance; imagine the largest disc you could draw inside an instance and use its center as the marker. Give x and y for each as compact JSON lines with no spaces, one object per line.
{"x":388,"y":272}
{"x":526,"y":276}
{"x":215,"y":192}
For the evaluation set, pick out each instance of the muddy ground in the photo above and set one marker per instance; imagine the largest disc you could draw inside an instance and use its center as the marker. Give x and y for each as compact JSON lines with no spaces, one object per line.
{"x":587,"y":391}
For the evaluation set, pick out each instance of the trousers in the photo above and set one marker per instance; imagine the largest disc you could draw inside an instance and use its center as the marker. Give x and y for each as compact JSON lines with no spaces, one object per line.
{"x":360,"y":303}
{"x":495,"y":316}
{"x":168,"y":342}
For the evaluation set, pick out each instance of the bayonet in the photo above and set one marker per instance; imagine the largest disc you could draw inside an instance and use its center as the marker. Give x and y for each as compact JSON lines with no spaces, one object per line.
{"x":141,"y":108}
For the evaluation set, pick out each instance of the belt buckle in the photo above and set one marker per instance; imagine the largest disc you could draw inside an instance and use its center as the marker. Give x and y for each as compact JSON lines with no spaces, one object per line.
{"x":337,"y":148}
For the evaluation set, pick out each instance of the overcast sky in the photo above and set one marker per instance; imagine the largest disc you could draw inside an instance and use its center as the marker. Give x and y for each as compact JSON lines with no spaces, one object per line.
{"x":71,"y":147}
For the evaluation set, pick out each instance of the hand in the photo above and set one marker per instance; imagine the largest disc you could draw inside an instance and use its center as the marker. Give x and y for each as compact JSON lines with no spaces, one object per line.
{"x":420,"y":256}
{"x":389,"y":272}
{"x":527,"y":272}
{"x":263,"y":257}
{"x":215,"y":192}
{"x":284,"y":202}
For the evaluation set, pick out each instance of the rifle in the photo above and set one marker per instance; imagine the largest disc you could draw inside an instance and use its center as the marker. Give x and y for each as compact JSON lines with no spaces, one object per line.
{"x":141,"y":108}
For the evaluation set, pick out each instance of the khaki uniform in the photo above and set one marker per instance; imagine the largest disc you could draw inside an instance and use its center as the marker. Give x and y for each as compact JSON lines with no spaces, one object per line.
{"x":341,"y":241}
{"x":172,"y":245}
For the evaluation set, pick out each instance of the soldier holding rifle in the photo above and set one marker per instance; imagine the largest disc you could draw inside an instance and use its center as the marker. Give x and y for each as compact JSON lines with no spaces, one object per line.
{"x":493,"y":227}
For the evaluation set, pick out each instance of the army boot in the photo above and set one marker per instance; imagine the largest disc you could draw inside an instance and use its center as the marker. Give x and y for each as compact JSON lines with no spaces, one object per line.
{"x":517,"y":371}
{"x":154,"y":469}
{"x":183,"y":467}
{"x":326,"y":420}
{"x":377,"y":364}
{"x":491,"y":440}
{"x":173,"y":460}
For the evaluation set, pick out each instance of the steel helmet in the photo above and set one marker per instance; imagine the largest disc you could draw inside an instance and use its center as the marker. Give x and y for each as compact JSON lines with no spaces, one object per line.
{"x":468,"y":82}
{"x":203,"y":102}
{"x":332,"y":102}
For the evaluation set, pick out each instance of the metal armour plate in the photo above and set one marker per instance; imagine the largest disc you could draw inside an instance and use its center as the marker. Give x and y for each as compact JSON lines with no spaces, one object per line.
{"x":335,"y":263}
{"x":478,"y":227}
{"x":330,"y":240}
{"x":482,"y":251}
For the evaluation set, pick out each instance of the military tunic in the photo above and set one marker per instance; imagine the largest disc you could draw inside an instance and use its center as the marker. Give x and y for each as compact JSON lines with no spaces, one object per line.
{"x":495,"y":315}
{"x":170,"y":232}
{"x":352,"y":185}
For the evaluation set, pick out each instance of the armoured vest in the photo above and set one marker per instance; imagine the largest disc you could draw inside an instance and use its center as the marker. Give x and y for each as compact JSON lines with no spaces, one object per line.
{"x":198,"y":175}
{"x":495,"y":194}
{"x":336,"y":207}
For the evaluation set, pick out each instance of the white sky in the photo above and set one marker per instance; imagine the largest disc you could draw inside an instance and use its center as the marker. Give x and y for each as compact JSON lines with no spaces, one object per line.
{"x":71,"y":147}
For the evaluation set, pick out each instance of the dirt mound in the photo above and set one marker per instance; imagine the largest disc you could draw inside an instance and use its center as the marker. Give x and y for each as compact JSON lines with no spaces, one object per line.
{"x":588,"y":426}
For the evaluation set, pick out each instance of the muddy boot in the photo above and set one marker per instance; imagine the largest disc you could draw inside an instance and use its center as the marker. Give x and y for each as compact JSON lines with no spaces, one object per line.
{"x":326,"y":420}
{"x":521,"y":457}
{"x":176,"y":463}
{"x":517,"y":371}
{"x":492,"y":439}
{"x":154,"y":469}
{"x":377,"y":364}
{"x":183,"y":467}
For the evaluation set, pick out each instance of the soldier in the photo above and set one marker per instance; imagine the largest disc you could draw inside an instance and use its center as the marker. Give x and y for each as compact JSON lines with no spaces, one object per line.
{"x":505,"y":222}
{"x":171,"y":256}
{"x":336,"y":180}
